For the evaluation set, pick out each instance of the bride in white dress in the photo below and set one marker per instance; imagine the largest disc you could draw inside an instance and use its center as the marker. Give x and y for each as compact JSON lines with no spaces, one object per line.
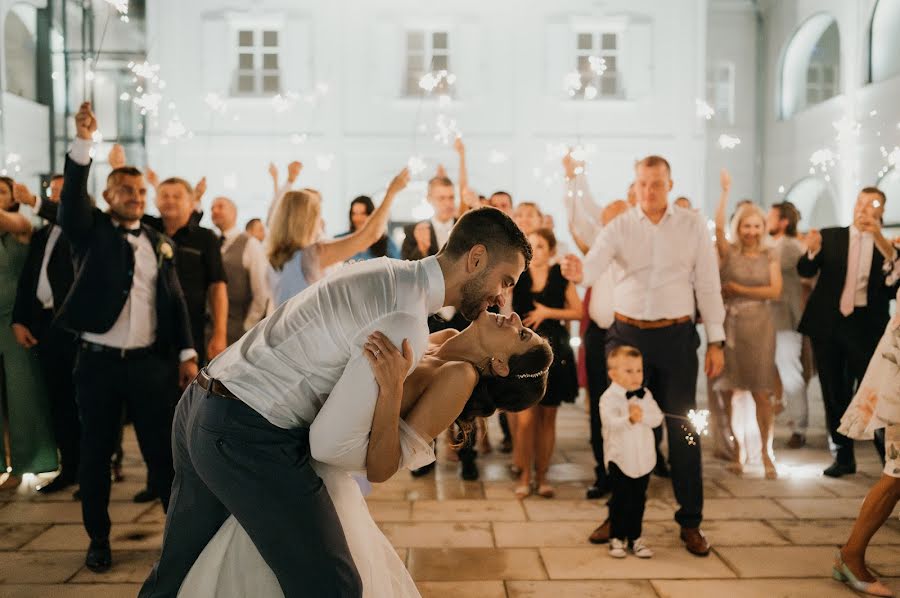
{"x":496,"y":363}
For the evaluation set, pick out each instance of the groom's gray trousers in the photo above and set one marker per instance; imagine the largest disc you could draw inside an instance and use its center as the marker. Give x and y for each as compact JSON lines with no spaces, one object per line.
{"x":231,"y":460}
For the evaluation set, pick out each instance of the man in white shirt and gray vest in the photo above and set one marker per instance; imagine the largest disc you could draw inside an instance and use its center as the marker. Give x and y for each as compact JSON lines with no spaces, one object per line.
{"x":666,"y":259}
{"x":241,"y":433}
{"x":246,"y":269}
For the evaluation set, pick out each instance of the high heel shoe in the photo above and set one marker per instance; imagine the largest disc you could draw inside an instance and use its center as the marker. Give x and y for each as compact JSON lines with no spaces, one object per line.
{"x":841,"y":572}
{"x":522,"y":491}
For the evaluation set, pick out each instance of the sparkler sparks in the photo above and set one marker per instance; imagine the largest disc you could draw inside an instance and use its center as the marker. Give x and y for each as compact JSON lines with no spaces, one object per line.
{"x":704,"y":110}
{"x":416,"y":165}
{"x":728,"y":141}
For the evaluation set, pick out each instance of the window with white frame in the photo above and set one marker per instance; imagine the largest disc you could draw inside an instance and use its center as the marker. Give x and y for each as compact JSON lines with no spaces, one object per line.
{"x":259,"y":63}
{"x":821,"y":82}
{"x":720,"y":91}
{"x":427,"y":51}
{"x":598,"y":61}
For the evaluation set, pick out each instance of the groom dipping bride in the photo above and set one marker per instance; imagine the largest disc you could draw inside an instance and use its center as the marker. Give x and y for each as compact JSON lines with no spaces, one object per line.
{"x":320,"y":388}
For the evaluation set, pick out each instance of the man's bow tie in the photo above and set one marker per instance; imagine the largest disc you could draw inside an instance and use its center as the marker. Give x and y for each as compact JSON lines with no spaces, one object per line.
{"x":639,"y":393}
{"x":136,"y":232}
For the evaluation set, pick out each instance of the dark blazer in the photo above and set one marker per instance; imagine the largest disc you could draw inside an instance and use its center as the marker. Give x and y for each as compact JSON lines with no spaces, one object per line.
{"x":104,"y":267}
{"x":60,"y":273}
{"x":823,"y":308}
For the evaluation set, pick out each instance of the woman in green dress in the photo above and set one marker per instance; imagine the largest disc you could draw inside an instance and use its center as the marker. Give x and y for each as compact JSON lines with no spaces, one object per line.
{"x":26,"y":433}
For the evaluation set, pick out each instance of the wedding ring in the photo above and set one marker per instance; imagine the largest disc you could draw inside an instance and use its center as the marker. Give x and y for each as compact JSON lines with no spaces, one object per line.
{"x":376,"y":352}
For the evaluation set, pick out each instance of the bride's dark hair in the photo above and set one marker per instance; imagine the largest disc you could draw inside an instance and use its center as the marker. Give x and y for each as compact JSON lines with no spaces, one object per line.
{"x":522,"y":388}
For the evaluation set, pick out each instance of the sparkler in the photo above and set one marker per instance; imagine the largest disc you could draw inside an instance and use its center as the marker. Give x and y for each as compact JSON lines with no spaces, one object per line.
{"x":699,"y":424}
{"x":704,"y":110}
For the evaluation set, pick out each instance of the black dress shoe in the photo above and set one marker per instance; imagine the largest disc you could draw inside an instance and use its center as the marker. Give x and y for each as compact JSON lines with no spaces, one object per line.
{"x":145,"y":495}
{"x":661,"y":470}
{"x":60,"y":482}
{"x":468,"y":471}
{"x":99,"y":556}
{"x":598,"y":490}
{"x":422,"y":471}
{"x":836,"y":470}
{"x":76,"y":495}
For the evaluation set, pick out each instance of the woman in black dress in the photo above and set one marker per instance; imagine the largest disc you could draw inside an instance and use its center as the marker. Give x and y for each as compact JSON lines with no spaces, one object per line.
{"x":547,"y":301}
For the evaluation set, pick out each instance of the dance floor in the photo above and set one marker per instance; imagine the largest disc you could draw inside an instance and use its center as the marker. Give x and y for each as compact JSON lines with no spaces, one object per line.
{"x":770,"y":537}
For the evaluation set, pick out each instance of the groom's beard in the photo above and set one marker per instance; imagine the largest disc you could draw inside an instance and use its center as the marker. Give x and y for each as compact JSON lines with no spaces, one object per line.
{"x":474,"y":299}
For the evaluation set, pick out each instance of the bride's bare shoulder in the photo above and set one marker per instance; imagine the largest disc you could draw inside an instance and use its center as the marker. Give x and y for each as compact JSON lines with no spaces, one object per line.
{"x":459,"y":376}
{"x":441,"y":336}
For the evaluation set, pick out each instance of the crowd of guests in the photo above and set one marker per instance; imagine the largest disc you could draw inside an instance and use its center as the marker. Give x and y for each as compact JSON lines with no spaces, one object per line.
{"x":109,"y":310}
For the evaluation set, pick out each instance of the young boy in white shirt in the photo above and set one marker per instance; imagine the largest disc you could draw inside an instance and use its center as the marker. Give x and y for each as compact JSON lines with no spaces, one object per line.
{"x":628,"y":414}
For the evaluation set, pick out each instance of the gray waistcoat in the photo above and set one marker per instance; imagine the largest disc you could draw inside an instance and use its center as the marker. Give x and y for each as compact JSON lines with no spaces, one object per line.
{"x":240,"y":294}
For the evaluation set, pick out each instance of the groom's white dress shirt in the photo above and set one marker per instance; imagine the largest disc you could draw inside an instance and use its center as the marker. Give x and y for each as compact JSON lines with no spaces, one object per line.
{"x":286,"y":366}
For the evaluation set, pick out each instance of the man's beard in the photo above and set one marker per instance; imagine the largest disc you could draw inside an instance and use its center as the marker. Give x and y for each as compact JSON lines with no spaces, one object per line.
{"x":473,"y":297}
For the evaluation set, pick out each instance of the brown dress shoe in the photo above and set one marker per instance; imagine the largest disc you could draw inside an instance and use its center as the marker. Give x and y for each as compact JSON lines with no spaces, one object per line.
{"x":695,"y":541}
{"x":796,"y":441}
{"x":601,"y":534}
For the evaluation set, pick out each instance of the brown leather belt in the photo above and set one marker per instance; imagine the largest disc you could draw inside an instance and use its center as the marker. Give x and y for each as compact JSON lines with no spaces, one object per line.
{"x":652,"y":324}
{"x":214,"y":386}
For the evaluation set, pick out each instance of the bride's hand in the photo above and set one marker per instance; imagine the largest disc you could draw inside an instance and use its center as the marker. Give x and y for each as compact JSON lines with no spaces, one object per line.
{"x":388,"y":363}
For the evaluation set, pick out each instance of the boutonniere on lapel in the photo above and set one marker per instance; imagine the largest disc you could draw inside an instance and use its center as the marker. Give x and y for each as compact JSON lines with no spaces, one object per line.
{"x":164,"y":251}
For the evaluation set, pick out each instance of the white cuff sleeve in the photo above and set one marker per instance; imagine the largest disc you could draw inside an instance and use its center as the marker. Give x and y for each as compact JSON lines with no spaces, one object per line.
{"x":186,"y":355}
{"x":82,"y":151}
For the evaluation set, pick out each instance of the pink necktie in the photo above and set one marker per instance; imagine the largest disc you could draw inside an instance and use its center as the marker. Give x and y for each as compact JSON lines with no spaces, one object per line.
{"x":849,"y":294}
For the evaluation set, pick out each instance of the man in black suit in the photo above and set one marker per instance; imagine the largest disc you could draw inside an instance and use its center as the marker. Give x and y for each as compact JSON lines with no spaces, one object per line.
{"x":43,"y":286}
{"x":847,"y":311}
{"x":128,"y":309}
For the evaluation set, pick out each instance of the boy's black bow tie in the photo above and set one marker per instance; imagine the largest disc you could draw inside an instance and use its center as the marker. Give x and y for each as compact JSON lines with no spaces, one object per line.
{"x":639,"y":393}
{"x":136,"y":232}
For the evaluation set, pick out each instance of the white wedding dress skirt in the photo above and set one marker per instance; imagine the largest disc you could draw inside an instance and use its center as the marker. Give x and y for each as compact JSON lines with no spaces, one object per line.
{"x":231,"y":567}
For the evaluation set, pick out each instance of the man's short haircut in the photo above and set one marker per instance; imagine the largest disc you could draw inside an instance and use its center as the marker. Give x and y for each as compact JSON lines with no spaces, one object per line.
{"x":174,"y":180}
{"x":877,"y":192}
{"x":439,"y":181}
{"x":490,"y":227}
{"x":506,"y":193}
{"x":622,"y":351}
{"x":788,"y":211}
{"x":251,"y":223}
{"x":530,"y":204}
{"x":117,"y":173}
{"x":654,"y":161}
{"x":228,"y":200}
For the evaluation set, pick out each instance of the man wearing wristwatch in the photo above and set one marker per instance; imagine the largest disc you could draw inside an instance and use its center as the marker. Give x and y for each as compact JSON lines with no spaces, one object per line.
{"x":135,"y":345}
{"x":665,"y":259}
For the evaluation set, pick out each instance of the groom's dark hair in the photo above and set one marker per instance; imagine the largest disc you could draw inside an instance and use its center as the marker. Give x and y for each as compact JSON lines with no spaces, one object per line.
{"x":489,"y":227}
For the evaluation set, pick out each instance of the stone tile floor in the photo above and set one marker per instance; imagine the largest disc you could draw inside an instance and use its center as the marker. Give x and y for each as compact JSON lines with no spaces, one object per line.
{"x":770,"y":537}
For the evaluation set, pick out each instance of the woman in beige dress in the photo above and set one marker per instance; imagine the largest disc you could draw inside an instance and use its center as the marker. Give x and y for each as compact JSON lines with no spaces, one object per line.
{"x":751,"y":279}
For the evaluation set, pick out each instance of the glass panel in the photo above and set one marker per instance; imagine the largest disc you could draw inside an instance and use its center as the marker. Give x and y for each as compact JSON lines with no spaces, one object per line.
{"x":828,"y":74}
{"x":608,"y":86}
{"x":270,"y":39}
{"x":611,"y":64}
{"x":585,"y":41}
{"x":415,"y":40}
{"x":812,"y":95}
{"x":245,"y":39}
{"x":439,"y":40}
{"x":584,"y":64}
{"x":245,"y":61}
{"x":439,"y":62}
{"x":246,"y":83}
{"x":415,"y":63}
{"x":608,"y":41}
{"x":271,"y":83}
{"x":812,"y":74}
{"x":412,"y":85}
{"x":270,"y":61}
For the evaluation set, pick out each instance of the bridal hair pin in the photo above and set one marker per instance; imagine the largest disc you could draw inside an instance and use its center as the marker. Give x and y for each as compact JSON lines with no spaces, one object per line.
{"x":534,"y":375}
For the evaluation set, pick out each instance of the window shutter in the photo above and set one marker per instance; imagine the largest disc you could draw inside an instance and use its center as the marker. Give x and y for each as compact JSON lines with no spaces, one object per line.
{"x":219,"y":55}
{"x":296,"y":55}
{"x":637,"y":52}
{"x":560,"y":56}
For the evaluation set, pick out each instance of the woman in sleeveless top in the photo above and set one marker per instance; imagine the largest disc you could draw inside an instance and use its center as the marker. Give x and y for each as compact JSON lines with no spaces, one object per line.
{"x":296,"y":254}
{"x":751,"y":279}
{"x":27,"y":444}
{"x":361,"y":209}
{"x":549,"y":302}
